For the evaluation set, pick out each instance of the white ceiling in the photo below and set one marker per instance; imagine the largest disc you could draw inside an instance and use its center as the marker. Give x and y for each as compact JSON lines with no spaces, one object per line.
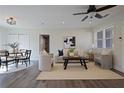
{"x":51,"y":16}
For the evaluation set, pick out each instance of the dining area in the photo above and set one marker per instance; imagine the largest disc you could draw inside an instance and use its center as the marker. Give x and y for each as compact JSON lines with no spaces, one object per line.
{"x":15,"y":58}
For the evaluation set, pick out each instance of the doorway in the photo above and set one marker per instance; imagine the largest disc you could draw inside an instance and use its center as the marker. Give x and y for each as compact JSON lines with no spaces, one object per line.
{"x":44,"y":43}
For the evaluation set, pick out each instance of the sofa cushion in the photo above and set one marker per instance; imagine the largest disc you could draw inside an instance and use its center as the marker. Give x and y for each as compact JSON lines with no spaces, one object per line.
{"x":76,"y":53}
{"x":106,"y":52}
{"x":71,"y":54}
{"x":65,"y":52}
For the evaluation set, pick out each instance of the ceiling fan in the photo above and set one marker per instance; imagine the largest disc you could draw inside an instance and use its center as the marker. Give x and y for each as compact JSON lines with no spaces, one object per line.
{"x":93,"y":9}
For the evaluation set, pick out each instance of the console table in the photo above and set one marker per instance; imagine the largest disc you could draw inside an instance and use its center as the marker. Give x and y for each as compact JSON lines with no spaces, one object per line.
{"x":82,"y":61}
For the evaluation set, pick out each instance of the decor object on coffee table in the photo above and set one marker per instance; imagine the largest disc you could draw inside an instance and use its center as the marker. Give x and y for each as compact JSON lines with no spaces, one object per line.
{"x":71,"y":52}
{"x":69,"y":42}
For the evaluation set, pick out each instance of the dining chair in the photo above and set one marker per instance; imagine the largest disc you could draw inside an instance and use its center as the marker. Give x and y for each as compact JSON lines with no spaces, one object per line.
{"x":25,"y":58}
{"x":5,"y":60}
{"x":28,"y":55}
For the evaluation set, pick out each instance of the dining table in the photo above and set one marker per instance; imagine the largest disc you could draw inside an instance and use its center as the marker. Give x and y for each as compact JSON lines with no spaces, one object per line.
{"x":7,"y":58}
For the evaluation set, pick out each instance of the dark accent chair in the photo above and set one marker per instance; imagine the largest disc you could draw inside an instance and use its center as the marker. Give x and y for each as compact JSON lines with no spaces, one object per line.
{"x":5,"y":60}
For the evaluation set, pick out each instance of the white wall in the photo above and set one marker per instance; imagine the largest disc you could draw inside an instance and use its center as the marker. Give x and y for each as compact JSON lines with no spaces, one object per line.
{"x":22,"y":39}
{"x":3,"y":40}
{"x":83,"y":39}
{"x":122,"y":47}
{"x":118,"y":49}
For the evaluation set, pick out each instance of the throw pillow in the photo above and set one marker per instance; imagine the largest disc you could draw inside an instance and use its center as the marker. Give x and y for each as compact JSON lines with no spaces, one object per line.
{"x":76,"y":53}
{"x":60,"y":52}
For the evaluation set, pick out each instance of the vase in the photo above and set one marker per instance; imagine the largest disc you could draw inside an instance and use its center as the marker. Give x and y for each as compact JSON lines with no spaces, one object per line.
{"x":14,"y":50}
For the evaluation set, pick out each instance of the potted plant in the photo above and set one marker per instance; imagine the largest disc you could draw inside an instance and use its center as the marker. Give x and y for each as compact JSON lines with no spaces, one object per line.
{"x":71,"y":51}
{"x":14,"y":46}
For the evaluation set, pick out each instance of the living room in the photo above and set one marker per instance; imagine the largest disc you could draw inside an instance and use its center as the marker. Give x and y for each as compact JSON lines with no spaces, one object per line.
{"x":58,"y":25}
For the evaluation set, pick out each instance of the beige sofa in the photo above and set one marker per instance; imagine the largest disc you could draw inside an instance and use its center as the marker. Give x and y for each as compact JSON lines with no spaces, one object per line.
{"x":77,"y":52}
{"x":103,"y":57}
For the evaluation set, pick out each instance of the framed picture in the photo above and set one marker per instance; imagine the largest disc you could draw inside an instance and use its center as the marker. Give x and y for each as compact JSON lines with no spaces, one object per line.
{"x":69,"y":42}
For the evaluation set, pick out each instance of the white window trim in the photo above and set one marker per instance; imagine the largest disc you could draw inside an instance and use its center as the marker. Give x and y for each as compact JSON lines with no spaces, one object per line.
{"x":104,"y":38}
{"x":99,"y":39}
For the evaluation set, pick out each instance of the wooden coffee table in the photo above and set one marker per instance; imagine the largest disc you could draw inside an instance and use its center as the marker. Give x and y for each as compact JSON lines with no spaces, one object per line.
{"x":81,"y":59}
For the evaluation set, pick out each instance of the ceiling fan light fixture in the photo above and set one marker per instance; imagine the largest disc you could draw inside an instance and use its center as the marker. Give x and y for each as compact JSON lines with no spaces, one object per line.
{"x":11,"y":21}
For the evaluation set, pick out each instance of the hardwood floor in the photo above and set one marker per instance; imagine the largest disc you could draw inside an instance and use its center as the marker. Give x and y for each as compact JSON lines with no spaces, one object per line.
{"x":27,"y":79}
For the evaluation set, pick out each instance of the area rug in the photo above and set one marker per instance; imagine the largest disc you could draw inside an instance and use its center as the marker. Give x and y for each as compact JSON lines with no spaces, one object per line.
{"x":12,"y":68}
{"x":78,"y":72}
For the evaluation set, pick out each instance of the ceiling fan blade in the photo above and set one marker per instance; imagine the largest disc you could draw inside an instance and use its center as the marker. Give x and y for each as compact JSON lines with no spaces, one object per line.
{"x":80,"y":13}
{"x":98,"y":16}
{"x":106,"y":15}
{"x":84,"y":18}
{"x":105,"y":8}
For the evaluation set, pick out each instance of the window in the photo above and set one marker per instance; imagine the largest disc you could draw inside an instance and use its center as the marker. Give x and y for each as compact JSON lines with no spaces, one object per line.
{"x":104,"y":38}
{"x":108,"y":37}
{"x":100,"y":39}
